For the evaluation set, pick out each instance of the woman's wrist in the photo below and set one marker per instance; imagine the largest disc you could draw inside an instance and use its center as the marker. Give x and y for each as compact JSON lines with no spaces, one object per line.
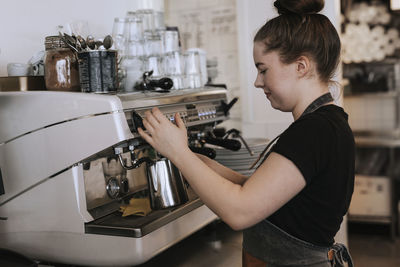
{"x":181,"y":155}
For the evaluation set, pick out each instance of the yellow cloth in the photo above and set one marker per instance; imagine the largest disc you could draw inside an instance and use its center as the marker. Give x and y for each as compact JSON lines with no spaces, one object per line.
{"x":137,"y":206}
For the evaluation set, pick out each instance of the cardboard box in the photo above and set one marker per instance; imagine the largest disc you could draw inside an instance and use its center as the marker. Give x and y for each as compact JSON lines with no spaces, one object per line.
{"x":371,"y":197}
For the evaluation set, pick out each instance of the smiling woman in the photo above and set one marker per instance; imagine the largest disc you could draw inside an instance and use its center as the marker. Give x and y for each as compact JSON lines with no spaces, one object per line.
{"x":291,"y":207}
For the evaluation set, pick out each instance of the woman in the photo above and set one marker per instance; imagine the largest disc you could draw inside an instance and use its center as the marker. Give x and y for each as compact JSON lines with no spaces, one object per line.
{"x":293,"y":205}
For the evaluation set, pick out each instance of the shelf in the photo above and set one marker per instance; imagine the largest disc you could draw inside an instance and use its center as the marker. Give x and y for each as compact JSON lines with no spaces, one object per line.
{"x":370,"y":219}
{"x":381,"y":141}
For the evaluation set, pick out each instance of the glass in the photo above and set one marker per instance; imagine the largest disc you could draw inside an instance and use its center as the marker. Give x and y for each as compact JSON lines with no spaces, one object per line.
{"x":153,"y":44}
{"x":61,"y":66}
{"x":202,"y":63}
{"x":159,"y":20}
{"x":192,"y":69}
{"x":134,"y":68}
{"x":147,"y":16}
{"x":135,"y":29}
{"x":171,"y":41}
{"x":80,"y":27}
{"x":155,"y":64}
{"x":119,"y":34}
{"x":135,"y":49}
{"x":174,"y":68}
{"x":131,"y":14}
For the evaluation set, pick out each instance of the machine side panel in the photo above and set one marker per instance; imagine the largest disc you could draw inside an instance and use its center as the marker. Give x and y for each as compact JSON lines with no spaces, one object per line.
{"x":23,"y":112}
{"x":50,"y":207}
{"x":28,"y":160}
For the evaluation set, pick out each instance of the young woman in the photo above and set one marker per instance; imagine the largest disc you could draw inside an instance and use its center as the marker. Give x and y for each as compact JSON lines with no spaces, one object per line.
{"x":292,"y":206}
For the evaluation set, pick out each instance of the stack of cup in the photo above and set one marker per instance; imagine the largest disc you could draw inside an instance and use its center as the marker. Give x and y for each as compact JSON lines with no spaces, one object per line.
{"x":174,"y":61}
{"x":132,"y":61}
{"x":144,"y":44}
{"x":197,"y":56}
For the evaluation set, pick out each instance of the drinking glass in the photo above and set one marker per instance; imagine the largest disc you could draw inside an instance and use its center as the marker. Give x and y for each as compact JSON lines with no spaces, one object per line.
{"x":147,"y":16}
{"x":159,"y":20}
{"x":203,"y":64}
{"x":80,"y":27}
{"x":174,"y":64}
{"x":134,"y":68}
{"x":192,"y":69}
{"x":119,"y":34}
{"x":135,"y":49}
{"x":171,"y":41}
{"x":153,"y":44}
{"x":155,"y":64}
{"x":135,"y":29}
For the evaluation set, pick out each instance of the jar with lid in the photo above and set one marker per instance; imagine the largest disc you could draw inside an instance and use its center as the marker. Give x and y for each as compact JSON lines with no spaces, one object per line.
{"x":61,"y":68}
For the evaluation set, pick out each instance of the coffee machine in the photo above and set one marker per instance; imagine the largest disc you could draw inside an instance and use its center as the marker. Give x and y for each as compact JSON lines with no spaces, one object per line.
{"x":68,"y":161}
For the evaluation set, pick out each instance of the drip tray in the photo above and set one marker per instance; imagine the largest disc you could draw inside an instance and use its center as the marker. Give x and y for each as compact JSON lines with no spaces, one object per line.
{"x":134,"y":226}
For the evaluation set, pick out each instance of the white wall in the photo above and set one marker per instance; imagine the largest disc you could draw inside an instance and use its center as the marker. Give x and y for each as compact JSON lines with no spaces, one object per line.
{"x":26,"y":23}
{"x":259,"y":119}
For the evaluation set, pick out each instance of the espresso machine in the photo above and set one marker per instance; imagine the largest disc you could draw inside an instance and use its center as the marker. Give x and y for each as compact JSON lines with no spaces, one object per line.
{"x":69,"y":161}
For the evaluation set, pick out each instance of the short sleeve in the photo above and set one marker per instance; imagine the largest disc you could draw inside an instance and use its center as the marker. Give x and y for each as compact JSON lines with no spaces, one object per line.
{"x":307,"y":143}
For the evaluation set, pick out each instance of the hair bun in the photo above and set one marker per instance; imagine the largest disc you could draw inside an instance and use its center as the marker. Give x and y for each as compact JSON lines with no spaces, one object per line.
{"x":301,"y":7}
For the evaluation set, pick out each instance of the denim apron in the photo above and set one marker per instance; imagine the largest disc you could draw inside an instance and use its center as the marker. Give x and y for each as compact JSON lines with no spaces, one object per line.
{"x":273,"y":247}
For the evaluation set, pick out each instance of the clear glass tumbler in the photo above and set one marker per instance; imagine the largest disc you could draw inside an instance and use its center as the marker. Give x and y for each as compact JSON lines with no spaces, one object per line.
{"x":192,"y":69}
{"x":153,"y":44}
{"x":174,"y":68}
{"x":171,"y":41}
{"x":119,"y":34}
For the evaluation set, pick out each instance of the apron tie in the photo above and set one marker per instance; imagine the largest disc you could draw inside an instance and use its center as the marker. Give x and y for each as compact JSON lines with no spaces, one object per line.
{"x":338,"y":255}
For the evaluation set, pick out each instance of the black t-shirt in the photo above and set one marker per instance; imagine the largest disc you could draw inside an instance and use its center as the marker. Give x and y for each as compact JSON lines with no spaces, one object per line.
{"x":321,"y":145}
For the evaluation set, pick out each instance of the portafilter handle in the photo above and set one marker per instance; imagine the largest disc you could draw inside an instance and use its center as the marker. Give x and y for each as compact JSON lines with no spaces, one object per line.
{"x":151,"y":84}
{"x":163,"y":83}
{"x":236,"y":133}
{"x":230,"y":144}
{"x":206,"y":151}
{"x":226,"y":107}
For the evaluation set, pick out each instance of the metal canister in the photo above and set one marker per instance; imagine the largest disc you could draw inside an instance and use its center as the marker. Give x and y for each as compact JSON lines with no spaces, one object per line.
{"x":166,"y":185}
{"x":60,"y":66}
{"x":98,"y":71}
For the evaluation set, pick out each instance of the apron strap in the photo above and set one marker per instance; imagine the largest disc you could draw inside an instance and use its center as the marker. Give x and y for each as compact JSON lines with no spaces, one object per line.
{"x":338,"y":255}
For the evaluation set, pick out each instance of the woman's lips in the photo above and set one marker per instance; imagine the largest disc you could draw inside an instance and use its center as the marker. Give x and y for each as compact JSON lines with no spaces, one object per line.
{"x":267,"y":94}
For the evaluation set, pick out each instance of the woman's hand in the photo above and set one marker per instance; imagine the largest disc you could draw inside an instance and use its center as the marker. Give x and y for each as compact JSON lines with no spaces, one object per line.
{"x":168,"y":139}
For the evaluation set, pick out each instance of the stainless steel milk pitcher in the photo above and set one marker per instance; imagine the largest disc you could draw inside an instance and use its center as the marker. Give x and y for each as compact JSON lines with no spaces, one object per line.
{"x":166,"y":185}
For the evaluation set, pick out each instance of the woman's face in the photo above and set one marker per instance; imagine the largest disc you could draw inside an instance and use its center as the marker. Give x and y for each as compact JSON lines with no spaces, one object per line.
{"x":275,"y":78}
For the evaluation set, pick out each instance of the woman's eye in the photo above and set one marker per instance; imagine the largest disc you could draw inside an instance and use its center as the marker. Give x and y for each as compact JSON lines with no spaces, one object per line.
{"x":262,"y":71}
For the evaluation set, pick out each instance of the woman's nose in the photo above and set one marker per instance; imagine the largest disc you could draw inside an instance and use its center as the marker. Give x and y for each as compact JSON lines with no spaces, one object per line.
{"x":258,"y":83}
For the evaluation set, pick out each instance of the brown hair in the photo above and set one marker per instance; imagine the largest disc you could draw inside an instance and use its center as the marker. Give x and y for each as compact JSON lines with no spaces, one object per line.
{"x":299,"y":30}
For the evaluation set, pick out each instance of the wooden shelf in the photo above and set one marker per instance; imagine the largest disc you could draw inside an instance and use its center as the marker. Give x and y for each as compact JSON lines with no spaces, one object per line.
{"x":370,"y":219}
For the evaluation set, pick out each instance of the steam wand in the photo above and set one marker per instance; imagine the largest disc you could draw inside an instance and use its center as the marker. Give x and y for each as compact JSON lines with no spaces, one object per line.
{"x":236,"y":133}
{"x":135,"y":163}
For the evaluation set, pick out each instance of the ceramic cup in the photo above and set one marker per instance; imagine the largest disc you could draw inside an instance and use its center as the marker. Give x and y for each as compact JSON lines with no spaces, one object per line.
{"x":18,"y":69}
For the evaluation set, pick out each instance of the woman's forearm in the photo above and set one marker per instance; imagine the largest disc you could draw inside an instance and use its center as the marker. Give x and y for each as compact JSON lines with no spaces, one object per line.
{"x":223,"y":171}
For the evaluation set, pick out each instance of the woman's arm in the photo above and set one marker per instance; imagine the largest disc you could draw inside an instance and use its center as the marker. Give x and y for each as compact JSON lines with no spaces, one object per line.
{"x":273,"y":184}
{"x":233,"y":176}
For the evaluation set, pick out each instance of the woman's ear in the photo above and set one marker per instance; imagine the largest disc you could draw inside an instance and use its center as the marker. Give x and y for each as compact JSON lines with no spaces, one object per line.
{"x":303,"y":66}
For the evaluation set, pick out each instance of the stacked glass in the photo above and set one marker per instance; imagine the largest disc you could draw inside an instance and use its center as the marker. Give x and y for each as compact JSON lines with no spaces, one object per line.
{"x":144,"y":44}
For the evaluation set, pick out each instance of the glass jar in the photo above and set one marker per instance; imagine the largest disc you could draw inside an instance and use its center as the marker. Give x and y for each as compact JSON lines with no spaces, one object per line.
{"x":61,"y":68}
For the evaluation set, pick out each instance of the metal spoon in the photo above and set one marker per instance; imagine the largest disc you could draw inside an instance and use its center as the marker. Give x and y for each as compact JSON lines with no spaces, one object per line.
{"x":67,"y":42}
{"x":98,"y":44}
{"x":81,"y":41}
{"x":108,"y":42}
{"x":71,"y":40}
{"x":90,"y":42}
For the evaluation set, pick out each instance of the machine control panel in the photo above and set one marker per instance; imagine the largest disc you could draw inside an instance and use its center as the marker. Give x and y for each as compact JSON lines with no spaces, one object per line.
{"x":191,"y":114}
